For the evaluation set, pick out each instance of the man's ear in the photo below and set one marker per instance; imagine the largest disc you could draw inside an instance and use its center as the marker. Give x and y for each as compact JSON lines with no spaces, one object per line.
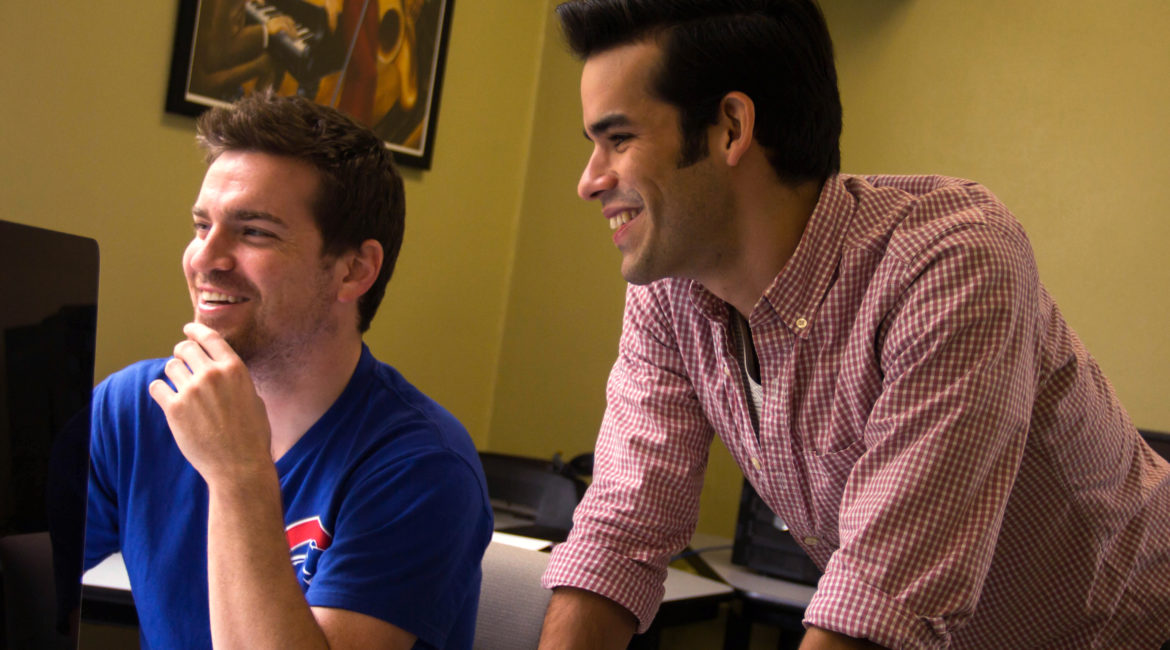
{"x":359,"y":270}
{"x":737,"y":124}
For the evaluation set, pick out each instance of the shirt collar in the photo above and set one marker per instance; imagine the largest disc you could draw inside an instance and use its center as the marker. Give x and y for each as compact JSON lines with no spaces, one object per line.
{"x":797,"y":292}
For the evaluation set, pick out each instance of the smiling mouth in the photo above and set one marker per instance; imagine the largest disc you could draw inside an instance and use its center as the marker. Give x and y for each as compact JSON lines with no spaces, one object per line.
{"x":622,"y":218}
{"x":214,"y":298}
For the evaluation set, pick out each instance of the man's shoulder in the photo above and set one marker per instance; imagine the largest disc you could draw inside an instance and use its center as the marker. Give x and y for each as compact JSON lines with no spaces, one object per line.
{"x":399,"y":395}
{"x":138,"y":369}
{"x":907,"y":215}
{"x":402,"y":416}
{"x":131,"y":380}
{"x":389,"y":434}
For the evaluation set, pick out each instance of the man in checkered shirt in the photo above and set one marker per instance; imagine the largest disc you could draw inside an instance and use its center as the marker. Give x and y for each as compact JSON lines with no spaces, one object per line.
{"x":877,"y":353}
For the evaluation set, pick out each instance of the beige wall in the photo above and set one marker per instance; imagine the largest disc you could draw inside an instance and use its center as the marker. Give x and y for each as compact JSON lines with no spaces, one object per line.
{"x":507,"y":302}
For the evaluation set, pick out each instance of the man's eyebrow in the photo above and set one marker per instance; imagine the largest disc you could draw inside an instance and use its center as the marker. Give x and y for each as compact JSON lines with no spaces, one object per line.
{"x":600,"y":127}
{"x":243,"y":216}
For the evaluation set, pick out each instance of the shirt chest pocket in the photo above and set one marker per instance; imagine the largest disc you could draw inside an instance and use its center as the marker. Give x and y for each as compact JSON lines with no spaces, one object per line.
{"x":827,"y":475}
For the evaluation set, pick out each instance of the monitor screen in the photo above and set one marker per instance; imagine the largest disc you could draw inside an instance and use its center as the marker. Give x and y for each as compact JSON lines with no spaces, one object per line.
{"x":48,"y":288}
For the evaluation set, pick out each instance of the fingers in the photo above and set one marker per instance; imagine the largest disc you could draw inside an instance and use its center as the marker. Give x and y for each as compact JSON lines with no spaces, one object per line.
{"x":203,"y":349}
{"x":189,"y":358}
{"x":213,"y":344}
{"x":161,"y":393}
{"x":178,"y":372}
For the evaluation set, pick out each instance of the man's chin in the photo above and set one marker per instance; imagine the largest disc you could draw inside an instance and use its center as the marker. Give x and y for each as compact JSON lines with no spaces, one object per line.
{"x":233,"y":336}
{"x":635,"y":274}
{"x":219,"y":328}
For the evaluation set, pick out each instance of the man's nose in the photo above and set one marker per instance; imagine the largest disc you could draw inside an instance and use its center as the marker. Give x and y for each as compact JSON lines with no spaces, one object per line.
{"x":596,"y":178}
{"x":212,"y":252}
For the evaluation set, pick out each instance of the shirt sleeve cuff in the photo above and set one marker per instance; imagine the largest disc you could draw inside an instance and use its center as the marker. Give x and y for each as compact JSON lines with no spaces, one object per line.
{"x":634,"y":585}
{"x":846,"y":605}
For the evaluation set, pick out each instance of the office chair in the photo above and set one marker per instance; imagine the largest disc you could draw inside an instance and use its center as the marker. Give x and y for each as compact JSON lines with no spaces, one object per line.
{"x":531,"y":496}
{"x":511,"y":600}
{"x":30,"y":604}
{"x":1159,"y":442}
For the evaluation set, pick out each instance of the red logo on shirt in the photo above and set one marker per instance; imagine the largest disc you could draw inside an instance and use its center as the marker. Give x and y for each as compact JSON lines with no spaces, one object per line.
{"x":307,"y":539}
{"x":308,"y":531}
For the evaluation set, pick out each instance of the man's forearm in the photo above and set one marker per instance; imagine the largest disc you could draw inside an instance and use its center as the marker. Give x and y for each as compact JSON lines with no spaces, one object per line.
{"x":818,"y":639}
{"x":254,"y":597}
{"x":578,"y":619}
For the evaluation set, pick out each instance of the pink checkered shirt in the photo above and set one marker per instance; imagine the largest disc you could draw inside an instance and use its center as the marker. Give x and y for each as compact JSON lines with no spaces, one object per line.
{"x":934,"y":434}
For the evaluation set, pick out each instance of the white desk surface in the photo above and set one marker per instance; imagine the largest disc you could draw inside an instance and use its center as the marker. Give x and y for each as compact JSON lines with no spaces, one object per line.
{"x":110,"y":574}
{"x":680,"y":585}
{"x":752,"y":584}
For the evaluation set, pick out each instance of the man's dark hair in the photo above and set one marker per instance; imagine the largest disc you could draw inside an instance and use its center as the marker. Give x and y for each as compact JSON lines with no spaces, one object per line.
{"x":778,"y":52}
{"x":360,"y":195}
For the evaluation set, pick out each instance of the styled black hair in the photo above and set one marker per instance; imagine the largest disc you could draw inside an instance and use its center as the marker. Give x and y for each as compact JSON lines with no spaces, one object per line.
{"x":777,"y":52}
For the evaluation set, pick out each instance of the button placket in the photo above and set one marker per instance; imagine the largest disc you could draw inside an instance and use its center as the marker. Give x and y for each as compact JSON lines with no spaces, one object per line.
{"x":735,"y":407}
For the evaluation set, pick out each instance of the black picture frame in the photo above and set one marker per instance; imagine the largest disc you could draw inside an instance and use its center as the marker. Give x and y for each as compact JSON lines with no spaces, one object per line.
{"x":361,"y":60}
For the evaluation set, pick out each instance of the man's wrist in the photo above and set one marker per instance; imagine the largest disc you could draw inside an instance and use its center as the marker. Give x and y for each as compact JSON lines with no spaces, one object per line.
{"x":578,"y":618}
{"x":821,"y":639}
{"x":243,"y":482}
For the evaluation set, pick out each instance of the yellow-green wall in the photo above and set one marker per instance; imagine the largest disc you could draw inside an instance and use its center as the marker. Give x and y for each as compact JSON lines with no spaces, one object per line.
{"x":507,"y":301}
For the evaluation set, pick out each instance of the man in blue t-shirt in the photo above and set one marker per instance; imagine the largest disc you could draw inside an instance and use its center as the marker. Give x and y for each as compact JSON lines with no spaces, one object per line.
{"x":272,"y":484}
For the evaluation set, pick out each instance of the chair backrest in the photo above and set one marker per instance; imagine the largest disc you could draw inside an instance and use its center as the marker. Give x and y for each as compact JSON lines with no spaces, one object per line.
{"x":1159,"y":442}
{"x":30,"y":602}
{"x":532,"y":489}
{"x":511,"y":600}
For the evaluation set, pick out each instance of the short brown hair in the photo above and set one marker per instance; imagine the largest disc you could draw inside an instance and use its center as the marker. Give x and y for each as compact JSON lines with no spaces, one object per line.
{"x":361,"y":193}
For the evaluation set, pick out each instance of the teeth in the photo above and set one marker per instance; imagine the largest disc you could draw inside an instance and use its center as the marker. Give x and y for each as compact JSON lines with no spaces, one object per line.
{"x":210,"y":296}
{"x":621,"y":219}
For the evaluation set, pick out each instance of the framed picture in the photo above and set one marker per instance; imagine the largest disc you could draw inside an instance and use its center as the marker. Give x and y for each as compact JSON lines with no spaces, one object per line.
{"x":380,"y":61}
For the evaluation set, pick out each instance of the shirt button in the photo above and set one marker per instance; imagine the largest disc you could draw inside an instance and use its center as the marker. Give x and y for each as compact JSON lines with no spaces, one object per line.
{"x":726,"y":371}
{"x":756,"y":463}
{"x":811,"y":541}
{"x":801,"y":323}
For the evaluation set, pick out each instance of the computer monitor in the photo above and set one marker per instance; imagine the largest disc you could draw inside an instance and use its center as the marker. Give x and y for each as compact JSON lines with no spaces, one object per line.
{"x":48,"y":321}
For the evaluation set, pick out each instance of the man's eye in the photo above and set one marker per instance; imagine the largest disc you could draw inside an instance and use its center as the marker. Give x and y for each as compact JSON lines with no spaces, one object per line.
{"x":619,"y":139}
{"x":200,"y":227}
{"x":255,"y":232}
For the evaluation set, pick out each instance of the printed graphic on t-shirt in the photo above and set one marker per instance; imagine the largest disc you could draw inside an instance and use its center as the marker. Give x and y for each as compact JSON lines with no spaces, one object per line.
{"x":307,"y":539}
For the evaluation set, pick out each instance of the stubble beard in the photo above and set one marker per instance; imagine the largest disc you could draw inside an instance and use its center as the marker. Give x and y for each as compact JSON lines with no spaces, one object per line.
{"x":270,"y":353}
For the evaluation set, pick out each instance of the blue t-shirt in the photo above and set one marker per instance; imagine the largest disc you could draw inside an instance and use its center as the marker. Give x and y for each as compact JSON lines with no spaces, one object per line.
{"x":385,"y":507}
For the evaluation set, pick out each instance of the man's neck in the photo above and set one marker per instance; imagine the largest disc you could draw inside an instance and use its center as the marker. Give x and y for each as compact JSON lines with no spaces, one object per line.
{"x":297,"y":392}
{"x":769,"y":227}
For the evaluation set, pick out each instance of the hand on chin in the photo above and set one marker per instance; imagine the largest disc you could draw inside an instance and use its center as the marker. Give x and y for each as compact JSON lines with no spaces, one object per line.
{"x":217,"y":418}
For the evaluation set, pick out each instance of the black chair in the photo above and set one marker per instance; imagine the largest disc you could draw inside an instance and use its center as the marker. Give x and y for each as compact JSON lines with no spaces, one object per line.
{"x":1158,"y":441}
{"x":533,"y":496}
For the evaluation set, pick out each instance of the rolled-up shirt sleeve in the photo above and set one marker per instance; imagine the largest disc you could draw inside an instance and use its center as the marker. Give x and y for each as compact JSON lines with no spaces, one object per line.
{"x":651,"y":453}
{"x":924,"y":504}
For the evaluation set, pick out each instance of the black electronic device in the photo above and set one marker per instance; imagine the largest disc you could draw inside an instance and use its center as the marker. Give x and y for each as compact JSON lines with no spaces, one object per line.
{"x":48,"y":289}
{"x":763,"y":543}
{"x":1158,"y":441}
